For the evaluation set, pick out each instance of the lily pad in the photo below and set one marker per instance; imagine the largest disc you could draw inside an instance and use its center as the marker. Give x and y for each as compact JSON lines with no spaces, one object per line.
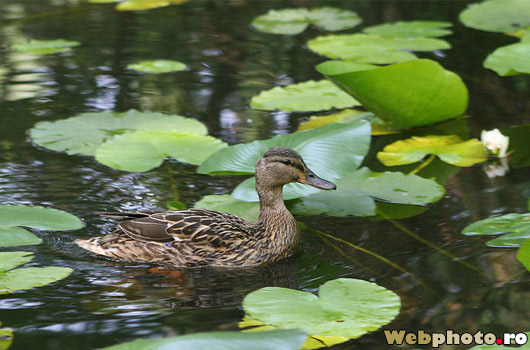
{"x":290,"y":339}
{"x":296,"y":20}
{"x":17,"y":236}
{"x":408,"y":94}
{"x":449,"y":148}
{"x":344,"y":307}
{"x":12,"y":280}
{"x":517,"y":227}
{"x":138,"y":5}
{"x":43,"y":47}
{"x":510,"y":60}
{"x":329,"y":151}
{"x":307,"y":96}
{"x":523,"y":254}
{"x":6,"y":338}
{"x":84,"y":133}
{"x":355,"y":193}
{"x":366,"y":48}
{"x":143,"y":150}
{"x":412,"y":29}
{"x":37,"y":217}
{"x":225,"y":202}
{"x":498,"y":16}
{"x":157,"y":66}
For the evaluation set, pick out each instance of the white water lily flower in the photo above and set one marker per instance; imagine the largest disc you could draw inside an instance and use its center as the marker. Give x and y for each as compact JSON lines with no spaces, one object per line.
{"x":495,"y":142}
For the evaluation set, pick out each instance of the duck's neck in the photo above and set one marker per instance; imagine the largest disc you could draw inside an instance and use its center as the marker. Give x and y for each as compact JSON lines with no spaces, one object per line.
{"x":279,"y":224}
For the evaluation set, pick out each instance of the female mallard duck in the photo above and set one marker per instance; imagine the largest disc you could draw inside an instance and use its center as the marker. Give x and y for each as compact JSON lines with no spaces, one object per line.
{"x":198,"y":237}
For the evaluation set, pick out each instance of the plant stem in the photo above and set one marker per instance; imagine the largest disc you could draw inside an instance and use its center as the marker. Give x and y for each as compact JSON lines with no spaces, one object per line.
{"x":423,"y":165}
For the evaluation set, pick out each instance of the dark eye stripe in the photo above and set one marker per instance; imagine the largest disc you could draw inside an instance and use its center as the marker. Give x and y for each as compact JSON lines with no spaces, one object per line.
{"x":293,"y":164}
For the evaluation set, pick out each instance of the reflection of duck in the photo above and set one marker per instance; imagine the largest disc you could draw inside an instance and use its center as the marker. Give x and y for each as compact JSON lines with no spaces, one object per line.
{"x":198,"y":237}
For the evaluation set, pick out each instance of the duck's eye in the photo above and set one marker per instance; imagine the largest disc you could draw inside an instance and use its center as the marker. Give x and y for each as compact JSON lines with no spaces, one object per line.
{"x":286,"y":162}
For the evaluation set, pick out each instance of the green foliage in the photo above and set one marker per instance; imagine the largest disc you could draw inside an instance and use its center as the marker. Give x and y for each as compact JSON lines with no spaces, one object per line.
{"x":175,"y":205}
{"x":498,"y":16}
{"x":412,"y":29}
{"x":44,"y":47}
{"x":355,"y":191}
{"x":139,"y":5}
{"x":366,"y":48}
{"x":510,"y":59}
{"x":449,"y":148}
{"x":143,"y":150}
{"x":6,"y":338}
{"x":517,"y":227}
{"x":523,"y":254}
{"x":157,"y":66}
{"x":305,"y":97}
{"x":346,"y":308}
{"x":296,"y":20}
{"x":225,"y":202}
{"x":290,"y":339}
{"x":406,"y":95}
{"x":347,"y":116}
{"x":12,"y":280}
{"x":17,"y":236}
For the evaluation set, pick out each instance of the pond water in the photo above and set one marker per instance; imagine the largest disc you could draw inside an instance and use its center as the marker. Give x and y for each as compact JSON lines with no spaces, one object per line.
{"x":451,"y":281}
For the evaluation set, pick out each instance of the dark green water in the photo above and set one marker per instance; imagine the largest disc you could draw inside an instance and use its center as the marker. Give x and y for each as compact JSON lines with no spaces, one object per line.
{"x":104,"y":303}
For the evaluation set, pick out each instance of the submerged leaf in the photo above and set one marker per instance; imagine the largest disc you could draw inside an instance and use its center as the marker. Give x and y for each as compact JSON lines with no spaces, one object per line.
{"x":38,"y":217}
{"x":143,"y":150}
{"x":296,"y":20}
{"x":225,"y":203}
{"x":517,"y":227}
{"x":305,"y":97}
{"x":365,"y":48}
{"x":344,"y":307}
{"x":157,"y":66}
{"x":449,"y":148}
{"x":412,"y":29}
{"x":498,"y":16}
{"x":44,"y":47}
{"x":84,"y":133}
{"x":510,"y":59}
{"x":16,"y":236}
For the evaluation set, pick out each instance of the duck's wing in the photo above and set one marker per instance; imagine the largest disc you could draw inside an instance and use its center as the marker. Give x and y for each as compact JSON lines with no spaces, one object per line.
{"x":196,"y":226}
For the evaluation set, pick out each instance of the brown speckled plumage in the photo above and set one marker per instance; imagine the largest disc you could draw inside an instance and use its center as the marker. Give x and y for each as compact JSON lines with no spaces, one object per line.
{"x":201,"y":237}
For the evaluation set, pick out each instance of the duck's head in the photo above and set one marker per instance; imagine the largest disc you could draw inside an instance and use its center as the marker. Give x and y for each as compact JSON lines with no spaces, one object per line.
{"x":282,"y":165}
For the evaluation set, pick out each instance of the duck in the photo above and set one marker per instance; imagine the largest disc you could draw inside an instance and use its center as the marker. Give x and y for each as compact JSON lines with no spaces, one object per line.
{"x":195,"y":237}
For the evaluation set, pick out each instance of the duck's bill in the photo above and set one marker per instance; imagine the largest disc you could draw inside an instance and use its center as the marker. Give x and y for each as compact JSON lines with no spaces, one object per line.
{"x":312,"y":179}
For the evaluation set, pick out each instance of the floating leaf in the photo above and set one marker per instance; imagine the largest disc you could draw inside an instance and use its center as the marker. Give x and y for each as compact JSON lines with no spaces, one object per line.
{"x":175,"y":205}
{"x":523,"y":254}
{"x":412,"y":29}
{"x":138,"y":5}
{"x":84,"y":133}
{"x":333,"y":67}
{"x":344,"y":307}
{"x":6,"y":338}
{"x":296,"y":20}
{"x":365,"y":48}
{"x":510,"y":60}
{"x":449,"y":148}
{"x":355,"y":191}
{"x":225,"y":202}
{"x":37,"y":217}
{"x":305,"y":97}
{"x":16,"y":236}
{"x":26,"y":278}
{"x":498,"y":16}
{"x":329,"y":151}
{"x":348,"y":116}
{"x":144,"y":150}
{"x":157,"y":66}
{"x":517,"y":227}
{"x":43,"y":47}
{"x":290,"y":339}
{"x":407,"y":94}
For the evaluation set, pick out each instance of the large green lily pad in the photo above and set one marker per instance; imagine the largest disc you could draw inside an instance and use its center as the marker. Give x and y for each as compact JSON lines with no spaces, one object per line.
{"x":43,"y":47}
{"x":290,"y":339}
{"x":366,"y":48}
{"x":523,"y":254}
{"x":307,"y":96}
{"x":84,"y":133}
{"x":408,"y":94}
{"x":503,"y":16}
{"x":510,"y":60}
{"x":296,"y":20}
{"x":355,"y":193}
{"x":143,"y":150}
{"x":344,"y":307}
{"x":412,"y":29}
{"x":38,"y":217}
{"x":225,"y":202}
{"x":449,"y":148}
{"x":516,"y":226}
{"x":17,"y":236}
{"x":139,"y":5}
{"x":157,"y":66}
{"x":330,"y":151}
{"x":12,"y":280}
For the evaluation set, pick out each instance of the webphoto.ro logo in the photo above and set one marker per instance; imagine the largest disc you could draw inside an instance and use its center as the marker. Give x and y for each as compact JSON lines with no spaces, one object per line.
{"x":394,"y":337}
